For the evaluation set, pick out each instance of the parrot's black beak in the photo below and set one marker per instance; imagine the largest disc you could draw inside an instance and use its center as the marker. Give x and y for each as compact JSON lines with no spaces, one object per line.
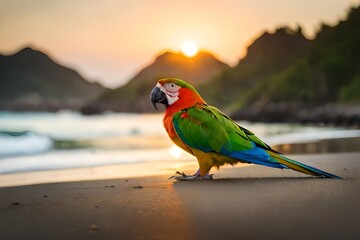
{"x":158,"y":96}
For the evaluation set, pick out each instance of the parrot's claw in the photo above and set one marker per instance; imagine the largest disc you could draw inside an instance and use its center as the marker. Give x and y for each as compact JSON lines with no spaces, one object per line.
{"x":195,"y":177}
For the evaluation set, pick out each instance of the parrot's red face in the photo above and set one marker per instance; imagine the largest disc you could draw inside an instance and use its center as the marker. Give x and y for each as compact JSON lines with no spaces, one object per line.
{"x":175,"y":94}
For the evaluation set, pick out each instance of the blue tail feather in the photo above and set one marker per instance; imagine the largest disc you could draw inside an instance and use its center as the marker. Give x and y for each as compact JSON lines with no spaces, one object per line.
{"x":310,"y":168}
{"x":268,"y":158}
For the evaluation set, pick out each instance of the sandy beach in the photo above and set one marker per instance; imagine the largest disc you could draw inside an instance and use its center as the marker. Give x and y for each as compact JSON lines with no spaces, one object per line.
{"x":241,"y":203}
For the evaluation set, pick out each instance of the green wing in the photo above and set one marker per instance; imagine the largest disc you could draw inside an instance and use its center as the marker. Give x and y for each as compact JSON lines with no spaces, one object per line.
{"x":208,"y":129}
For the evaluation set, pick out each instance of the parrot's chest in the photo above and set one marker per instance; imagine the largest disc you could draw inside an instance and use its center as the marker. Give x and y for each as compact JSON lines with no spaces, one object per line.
{"x":169,"y":127}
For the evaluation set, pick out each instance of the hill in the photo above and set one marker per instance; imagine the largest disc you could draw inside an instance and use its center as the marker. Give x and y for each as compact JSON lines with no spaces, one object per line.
{"x":270,"y":53}
{"x":31,"y":81}
{"x":285,"y":77}
{"x":134,"y":96}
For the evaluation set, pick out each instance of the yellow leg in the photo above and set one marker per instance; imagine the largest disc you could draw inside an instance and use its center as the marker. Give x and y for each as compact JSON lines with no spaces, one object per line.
{"x":205,"y":161}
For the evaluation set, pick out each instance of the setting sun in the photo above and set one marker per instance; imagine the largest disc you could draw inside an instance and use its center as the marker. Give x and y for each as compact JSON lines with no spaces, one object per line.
{"x":189,"y":49}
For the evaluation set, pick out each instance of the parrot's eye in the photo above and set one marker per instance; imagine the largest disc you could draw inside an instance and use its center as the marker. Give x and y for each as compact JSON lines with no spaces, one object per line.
{"x":172,"y":85}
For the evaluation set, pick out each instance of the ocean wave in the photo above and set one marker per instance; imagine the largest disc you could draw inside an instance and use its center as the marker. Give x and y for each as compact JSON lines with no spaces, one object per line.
{"x":23,"y":143}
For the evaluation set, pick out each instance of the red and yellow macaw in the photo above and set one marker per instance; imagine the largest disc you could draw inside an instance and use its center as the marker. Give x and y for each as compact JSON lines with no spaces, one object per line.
{"x":211,"y":136}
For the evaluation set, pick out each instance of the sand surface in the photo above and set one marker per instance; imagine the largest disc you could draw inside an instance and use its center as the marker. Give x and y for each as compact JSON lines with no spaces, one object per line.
{"x":241,"y":203}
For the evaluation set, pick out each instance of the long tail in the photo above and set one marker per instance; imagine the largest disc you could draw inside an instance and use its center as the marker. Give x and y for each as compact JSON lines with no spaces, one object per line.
{"x":300,"y":167}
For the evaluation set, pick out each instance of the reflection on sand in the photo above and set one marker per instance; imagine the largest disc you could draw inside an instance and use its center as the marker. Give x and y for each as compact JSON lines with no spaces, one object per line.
{"x":142,"y":169}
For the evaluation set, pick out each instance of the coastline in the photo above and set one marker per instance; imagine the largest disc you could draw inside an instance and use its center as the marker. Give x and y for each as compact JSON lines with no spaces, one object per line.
{"x":252,"y":202}
{"x":164,"y":165}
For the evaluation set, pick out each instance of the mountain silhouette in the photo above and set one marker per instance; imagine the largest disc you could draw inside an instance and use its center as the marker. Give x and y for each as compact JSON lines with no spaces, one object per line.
{"x":134,"y":96}
{"x":31,"y":81}
{"x":286,"y":78}
{"x":270,"y":53}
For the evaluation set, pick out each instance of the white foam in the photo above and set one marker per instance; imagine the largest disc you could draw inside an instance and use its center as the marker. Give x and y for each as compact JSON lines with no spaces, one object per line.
{"x":24,"y":144}
{"x":64,"y":159}
{"x":67,"y":125}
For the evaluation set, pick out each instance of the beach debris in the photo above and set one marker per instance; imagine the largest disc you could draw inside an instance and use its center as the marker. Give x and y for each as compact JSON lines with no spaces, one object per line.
{"x":112,"y":186}
{"x":97,"y":206}
{"x":126,"y":180}
{"x":15,"y":203}
{"x":94,"y":227}
{"x":45,"y":196}
{"x":138,"y":186}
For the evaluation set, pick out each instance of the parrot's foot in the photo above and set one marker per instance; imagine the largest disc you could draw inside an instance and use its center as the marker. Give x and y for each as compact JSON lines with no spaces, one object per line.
{"x":195,"y":177}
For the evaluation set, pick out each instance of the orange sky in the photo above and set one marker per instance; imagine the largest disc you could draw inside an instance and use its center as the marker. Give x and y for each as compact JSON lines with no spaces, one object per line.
{"x":110,"y":40}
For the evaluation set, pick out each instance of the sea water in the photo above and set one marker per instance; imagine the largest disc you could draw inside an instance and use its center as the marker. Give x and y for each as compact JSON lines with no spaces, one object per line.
{"x":63,"y":140}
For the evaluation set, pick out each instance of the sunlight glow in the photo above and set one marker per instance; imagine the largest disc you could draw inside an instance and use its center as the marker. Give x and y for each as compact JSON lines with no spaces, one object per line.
{"x":175,"y":151}
{"x":189,"y":48}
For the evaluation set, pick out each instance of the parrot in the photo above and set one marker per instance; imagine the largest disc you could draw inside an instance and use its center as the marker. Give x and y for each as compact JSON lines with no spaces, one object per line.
{"x":211,"y":136}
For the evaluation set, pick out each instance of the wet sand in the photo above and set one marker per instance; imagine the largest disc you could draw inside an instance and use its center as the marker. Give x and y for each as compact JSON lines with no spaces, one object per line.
{"x":241,"y":203}
{"x":351,"y":144}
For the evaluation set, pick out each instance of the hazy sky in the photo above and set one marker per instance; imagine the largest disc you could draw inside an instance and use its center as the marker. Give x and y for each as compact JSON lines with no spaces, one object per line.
{"x":111,"y":40}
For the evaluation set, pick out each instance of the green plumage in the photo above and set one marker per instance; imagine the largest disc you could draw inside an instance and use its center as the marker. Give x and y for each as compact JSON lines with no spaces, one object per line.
{"x":208,"y":129}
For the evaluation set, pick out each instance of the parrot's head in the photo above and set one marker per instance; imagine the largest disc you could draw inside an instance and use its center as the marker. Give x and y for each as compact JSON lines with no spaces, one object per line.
{"x":172,"y":91}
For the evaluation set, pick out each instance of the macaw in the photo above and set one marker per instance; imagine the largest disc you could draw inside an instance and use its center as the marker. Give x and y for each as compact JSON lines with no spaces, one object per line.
{"x":211,"y":136}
